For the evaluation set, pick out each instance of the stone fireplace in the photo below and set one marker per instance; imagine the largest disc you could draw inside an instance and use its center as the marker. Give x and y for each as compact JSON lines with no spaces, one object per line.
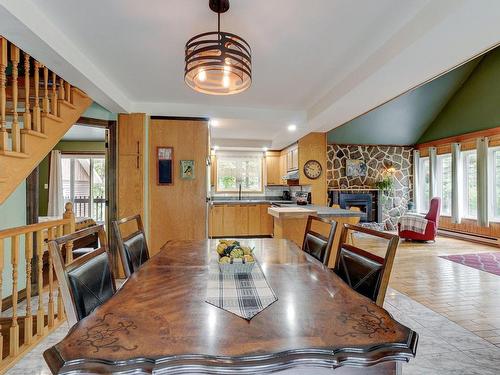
{"x":386,"y":208}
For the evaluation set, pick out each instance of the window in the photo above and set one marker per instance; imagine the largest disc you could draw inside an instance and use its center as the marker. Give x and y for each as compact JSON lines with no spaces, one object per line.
{"x":84,"y":184}
{"x":494,"y":183}
{"x":424,"y":174}
{"x":469,"y":201}
{"x":444,"y":184}
{"x":235,"y":170}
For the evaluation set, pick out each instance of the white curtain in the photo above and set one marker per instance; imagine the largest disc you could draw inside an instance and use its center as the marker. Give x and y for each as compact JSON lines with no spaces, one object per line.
{"x":456,"y":182}
{"x":416,"y":177}
{"x":432,"y":172}
{"x":56,"y":201}
{"x":482,"y":181}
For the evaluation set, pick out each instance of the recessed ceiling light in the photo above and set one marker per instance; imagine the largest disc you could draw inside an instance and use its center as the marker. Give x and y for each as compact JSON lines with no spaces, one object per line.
{"x":292,"y":127}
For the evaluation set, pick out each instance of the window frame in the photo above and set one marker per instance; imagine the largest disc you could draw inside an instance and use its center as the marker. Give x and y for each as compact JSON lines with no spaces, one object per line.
{"x":424,"y":204}
{"x":439,"y":181}
{"x":261,"y":174}
{"x":464,"y":200}
{"x":492,"y":178}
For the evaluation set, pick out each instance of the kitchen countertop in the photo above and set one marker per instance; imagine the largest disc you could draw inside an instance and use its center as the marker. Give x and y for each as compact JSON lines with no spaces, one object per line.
{"x":249,"y":200}
{"x":321,"y":211}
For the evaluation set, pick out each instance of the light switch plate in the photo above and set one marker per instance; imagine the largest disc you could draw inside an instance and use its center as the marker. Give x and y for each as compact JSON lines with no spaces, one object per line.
{"x":46,"y":186}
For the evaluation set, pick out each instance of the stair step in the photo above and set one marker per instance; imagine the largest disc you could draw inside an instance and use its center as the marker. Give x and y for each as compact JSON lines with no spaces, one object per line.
{"x":51,"y":116}
{"x":14,"y":154}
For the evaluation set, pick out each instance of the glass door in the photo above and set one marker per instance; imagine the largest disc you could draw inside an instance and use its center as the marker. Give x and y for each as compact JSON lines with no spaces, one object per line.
{"x":84,"y":184}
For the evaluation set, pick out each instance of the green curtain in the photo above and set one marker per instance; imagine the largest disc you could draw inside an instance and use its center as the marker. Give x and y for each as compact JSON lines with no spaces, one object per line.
{"x":456,"y":182}
{"x":482,"y":182}
{"x":416,"y":187}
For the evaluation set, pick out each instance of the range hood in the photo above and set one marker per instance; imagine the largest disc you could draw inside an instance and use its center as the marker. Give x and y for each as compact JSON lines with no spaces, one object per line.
{"x":293,"y":175}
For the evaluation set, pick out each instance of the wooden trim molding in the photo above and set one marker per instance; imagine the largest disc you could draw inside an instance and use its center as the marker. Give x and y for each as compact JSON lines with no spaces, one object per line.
{"x":467,"y":137}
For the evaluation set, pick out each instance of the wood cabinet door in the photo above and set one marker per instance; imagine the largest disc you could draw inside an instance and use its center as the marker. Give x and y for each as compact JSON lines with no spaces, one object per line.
{"x":273,"y":170}
{"x":266,"y":221}
{"x":254,"y":219}
{"x":295,"y":158}
{"x":229,"y":220}
{"x":241,"y":222}
{"x":216,"y":221}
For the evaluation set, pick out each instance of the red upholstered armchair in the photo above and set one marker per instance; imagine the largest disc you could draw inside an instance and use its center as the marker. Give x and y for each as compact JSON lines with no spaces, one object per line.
{"x":432,"y":224}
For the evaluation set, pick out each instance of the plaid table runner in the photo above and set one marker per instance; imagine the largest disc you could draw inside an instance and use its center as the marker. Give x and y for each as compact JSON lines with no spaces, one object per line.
{"x":242,"y":294}
{"x":414,"y":223}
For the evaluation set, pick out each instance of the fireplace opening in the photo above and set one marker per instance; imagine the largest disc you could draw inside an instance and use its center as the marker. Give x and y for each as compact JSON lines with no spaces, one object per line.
{"x":362,"y":201}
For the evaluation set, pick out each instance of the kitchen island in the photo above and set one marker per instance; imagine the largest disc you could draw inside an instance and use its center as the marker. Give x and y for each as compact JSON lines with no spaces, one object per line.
{"x":290,"y":222}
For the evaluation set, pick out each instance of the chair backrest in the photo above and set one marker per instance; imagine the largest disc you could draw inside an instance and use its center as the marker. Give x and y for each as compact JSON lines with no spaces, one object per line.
{"x":335,"y":205}
{"x":366,"y":273}
{"x":434,"y":210}
{"x":315,"y":243}
{"x":133,"y":248}
{"x":88,"y":281}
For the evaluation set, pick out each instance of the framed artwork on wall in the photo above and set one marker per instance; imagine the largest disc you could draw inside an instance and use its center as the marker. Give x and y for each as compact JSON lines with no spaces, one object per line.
{"x":355,"y":168}
{"x":187,"y":169}
{"x":165,"y":165}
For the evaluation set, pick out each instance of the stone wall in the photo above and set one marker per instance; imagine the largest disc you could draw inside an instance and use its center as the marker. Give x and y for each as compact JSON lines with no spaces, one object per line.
{"x":377,"y":159}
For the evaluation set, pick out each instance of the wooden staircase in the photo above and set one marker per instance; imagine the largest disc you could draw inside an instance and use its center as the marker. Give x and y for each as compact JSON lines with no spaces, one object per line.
{"x":36,"y":109}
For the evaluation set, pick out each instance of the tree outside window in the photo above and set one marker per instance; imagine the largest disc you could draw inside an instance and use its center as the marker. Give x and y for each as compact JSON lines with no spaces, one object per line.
{"x":233,"y":171}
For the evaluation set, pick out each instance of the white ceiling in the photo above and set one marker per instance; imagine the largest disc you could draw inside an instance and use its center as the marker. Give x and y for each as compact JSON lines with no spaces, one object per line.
{"x":317,"y":64}
{"x":85,"y":133}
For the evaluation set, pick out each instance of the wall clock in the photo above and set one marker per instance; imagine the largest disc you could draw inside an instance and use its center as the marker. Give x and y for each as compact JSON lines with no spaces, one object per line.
{"x":312,"y":169}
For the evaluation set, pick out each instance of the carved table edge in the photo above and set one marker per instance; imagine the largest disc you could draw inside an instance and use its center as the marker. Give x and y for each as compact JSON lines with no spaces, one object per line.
{"x":264,"y":364}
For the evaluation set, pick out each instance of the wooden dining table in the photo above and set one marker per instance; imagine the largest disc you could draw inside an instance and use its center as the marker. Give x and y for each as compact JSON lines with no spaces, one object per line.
{"x":159,"y":322}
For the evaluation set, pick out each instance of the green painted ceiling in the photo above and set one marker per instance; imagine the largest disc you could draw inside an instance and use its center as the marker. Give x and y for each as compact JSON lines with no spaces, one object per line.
{"x":403,"y":120}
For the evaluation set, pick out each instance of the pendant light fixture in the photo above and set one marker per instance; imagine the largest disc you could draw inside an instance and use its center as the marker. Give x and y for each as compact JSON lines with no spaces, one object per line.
{"x":217,"y":62}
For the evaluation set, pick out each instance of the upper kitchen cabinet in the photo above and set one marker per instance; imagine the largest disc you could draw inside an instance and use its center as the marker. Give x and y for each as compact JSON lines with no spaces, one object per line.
{"x":273,"y":168}
{"x":292,"y":158}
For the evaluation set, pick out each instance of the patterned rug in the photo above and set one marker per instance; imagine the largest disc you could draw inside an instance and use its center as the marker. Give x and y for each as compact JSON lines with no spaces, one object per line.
{"x":489,"y":262}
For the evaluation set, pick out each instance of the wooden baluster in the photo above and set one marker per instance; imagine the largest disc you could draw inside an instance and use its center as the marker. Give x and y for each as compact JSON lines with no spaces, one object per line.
{"x":68,"y":229}
{"x":45,"y":100}
{"x":62,"y":95}
{"x":15,"y":131}
{"x":37,"y":121}
{"x":14,"y":328}
{"x":28,"y":320}
{"x":40,"y":314}
{"x":27,"y":113}
{"x":54,"y":108}
{"x":51,"y":284}
{"x":1,"y":295}
{"x":69,"y":98}
{"x":60,"y":306}
{"x":3,"y":98}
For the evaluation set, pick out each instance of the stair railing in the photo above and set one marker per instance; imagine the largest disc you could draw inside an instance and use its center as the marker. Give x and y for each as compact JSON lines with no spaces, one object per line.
{"x":43,"y":309}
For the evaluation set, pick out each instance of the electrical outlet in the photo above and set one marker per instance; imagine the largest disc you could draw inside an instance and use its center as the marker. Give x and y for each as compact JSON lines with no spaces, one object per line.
{"x":46,"y":186}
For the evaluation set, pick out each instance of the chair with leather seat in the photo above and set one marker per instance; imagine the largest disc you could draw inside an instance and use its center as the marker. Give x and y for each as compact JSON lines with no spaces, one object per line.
{"x":133,"y":248}
{"x":88,"y":281}
{"x":316,"y":244}
{"x":366,"y":273}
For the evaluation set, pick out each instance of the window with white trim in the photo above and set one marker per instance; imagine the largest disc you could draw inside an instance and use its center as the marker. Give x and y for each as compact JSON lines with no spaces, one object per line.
{"x":444,"y":182}
{"x":469,"y":198}
{"x":494,"y":183}
{"x":424,"y":193}
{"x":235,"y":170}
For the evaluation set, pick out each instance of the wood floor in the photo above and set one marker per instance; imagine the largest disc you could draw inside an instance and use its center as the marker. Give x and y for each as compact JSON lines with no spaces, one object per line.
{"x":462,"y":294}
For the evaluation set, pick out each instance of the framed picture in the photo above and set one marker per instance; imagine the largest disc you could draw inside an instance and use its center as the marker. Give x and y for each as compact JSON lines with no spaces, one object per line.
{"x":355,"y":168}
{"x":165,"y":165}
{"x":187,"y":169}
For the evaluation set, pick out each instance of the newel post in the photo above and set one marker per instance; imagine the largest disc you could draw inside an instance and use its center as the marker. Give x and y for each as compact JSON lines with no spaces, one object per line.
{"x":68,"y":229}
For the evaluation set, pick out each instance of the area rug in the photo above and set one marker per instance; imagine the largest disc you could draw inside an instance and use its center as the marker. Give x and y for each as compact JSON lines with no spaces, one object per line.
{"x":489,"y":262}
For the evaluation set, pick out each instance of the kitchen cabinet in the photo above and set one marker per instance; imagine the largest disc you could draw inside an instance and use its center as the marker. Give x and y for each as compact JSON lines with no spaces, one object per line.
{"x":273,"y":169}
{"x":292,"y":158}
{"x":232,"y":220}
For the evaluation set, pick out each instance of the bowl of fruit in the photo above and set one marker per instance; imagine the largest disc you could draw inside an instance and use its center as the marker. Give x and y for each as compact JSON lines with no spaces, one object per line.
{"x":235,"y":258}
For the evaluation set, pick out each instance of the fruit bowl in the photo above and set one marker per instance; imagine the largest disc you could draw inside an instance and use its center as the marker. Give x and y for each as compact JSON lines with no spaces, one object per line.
{"x":234,"y":258}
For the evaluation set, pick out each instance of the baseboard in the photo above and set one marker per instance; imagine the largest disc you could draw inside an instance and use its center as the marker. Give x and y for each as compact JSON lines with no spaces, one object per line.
{"x":477,"y":238}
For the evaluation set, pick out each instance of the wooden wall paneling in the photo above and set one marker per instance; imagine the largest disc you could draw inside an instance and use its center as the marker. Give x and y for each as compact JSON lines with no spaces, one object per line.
{"x":314,"y":147}
{"x":178,"y":211}
{"x":470,"y":226}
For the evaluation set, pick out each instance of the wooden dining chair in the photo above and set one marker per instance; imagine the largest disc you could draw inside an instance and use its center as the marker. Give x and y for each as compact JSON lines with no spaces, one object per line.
{"x":353,"y":221}
{"x":88,"y":281}
{"x":366,"y":273}
{"x":133,"y":248}
{"x":317,"y":244}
